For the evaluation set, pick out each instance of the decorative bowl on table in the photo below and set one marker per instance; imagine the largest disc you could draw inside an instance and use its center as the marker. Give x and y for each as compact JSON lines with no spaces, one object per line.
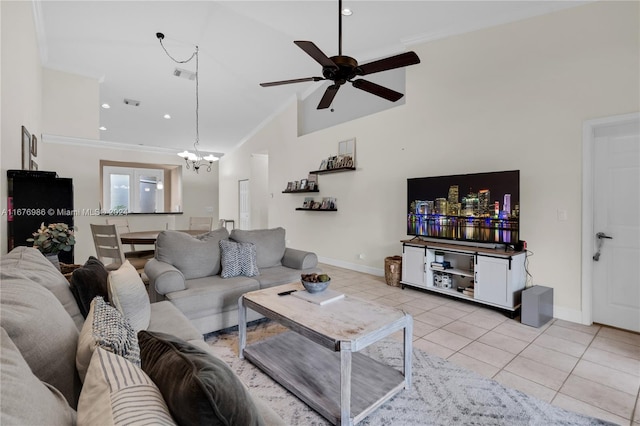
{"x":315,"y":283}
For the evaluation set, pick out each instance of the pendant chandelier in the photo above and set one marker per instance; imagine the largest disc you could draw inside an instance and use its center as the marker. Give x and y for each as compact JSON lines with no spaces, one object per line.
{"x":195,"y":160}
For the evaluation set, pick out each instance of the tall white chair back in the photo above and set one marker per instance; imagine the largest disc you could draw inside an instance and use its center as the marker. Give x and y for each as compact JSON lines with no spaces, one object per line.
{"x":108,"y":247}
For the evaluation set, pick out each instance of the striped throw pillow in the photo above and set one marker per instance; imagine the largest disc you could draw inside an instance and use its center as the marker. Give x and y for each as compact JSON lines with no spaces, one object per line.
{"x":116,"y":392}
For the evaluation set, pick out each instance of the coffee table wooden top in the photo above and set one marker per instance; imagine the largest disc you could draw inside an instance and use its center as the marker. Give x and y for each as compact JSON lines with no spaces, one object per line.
{"x":349,"y":319}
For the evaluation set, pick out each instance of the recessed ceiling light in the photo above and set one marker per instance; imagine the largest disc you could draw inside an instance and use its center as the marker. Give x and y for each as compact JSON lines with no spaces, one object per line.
{"x":106,"y":106}
{"x":347,"y":12}
{"x":167,"y":116}
{"x":102,"y":128}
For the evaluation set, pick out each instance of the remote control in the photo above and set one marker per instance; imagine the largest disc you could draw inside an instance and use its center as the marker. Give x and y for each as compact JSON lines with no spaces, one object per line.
{"x":286,"y":293}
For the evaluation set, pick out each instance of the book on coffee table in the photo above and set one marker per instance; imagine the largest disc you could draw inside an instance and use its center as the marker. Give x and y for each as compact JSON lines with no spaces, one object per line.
{"x":321,"y":298}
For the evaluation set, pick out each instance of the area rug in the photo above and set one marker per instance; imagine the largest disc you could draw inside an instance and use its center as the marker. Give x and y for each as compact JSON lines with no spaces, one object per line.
{"x":441,"y":392}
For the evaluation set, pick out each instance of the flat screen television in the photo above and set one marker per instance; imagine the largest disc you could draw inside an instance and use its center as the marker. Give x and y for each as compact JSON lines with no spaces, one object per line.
{"x":478,"y":207}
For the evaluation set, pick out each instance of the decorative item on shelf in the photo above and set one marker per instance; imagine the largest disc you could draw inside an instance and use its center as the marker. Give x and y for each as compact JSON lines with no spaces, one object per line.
{"x":328,"y":203}
{"x":53,"y":239}
{"x":193,"y":160}
{"x":303,"y":184}
{"x":441,"y":266}
{"x":312,"y":180}
{"x":315,"y":283}
{"x":308,"y":203}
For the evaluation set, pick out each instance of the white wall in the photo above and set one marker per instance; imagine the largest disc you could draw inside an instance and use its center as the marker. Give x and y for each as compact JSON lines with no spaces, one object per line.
{"x":66,"y":105}
{"x":81,"y":163}
{"x":21,"y":92}
{"x":509,"y":97}
{"x":70,"y":105}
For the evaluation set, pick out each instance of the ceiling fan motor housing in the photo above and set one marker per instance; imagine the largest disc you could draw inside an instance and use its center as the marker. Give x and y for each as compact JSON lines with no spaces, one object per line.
{"x":345,"y":71}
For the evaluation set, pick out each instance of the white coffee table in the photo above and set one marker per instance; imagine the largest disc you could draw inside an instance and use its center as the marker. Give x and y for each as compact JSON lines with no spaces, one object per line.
{"x":318,"y":359}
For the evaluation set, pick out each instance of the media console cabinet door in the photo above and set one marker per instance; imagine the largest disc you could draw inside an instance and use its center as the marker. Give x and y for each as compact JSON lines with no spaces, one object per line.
{"x":492,"y":281}
{"x":413,"y":266}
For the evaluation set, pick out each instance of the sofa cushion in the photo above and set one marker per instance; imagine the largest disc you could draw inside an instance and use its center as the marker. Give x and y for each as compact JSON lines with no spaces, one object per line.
{"x":238,"y":259}
{"x":42,"y":330}
{"x":38,"y":269}
{"x":278,"y":275}
{"x":21,"y":389}
{"x":165,"y":317}
{"x":116,"y":391}
{"x":107,"y":328}
{"x":198,"y":387}
{"x":195,"y":257}
{"x":88,"y":282}
{"x":270,"y":244}
{"x":128,"y":294}
{"x":211,"y":295}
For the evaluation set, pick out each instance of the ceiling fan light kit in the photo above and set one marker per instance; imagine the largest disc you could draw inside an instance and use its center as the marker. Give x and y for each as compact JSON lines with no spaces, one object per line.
{"x":342,"y":69}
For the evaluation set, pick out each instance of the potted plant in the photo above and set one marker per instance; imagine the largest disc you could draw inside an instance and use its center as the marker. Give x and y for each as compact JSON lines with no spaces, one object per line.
{"x":53,"y":239}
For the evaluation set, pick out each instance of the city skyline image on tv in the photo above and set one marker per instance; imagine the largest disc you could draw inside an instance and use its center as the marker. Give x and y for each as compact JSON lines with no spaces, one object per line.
{"x":479,"y":207}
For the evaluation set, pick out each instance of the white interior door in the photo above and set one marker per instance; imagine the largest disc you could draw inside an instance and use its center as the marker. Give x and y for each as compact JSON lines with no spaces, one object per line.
{"x":244,"y":207}
{"x":616,"y":220}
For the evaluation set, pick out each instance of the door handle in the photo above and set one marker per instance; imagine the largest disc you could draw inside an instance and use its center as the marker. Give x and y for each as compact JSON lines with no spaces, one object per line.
{"x":600,"y":236}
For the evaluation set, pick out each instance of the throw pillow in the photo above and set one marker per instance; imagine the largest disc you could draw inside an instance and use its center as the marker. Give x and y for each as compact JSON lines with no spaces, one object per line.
{"x":195,"y":257}
{"x":107,"y":328}
{"x":37,"y":268}
{"x":128,"y":294}
{"x":21,"y":389}
{"x":198,"y":387}
{"x":88,"y":282}
{"x":238,"y":259}
{"x":42,"y":330}
{"x":117,"y":392}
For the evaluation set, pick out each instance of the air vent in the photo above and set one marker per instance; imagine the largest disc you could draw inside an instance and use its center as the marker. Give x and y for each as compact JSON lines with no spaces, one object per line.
{"x":131,"y":102}
{"x":189,"y":75}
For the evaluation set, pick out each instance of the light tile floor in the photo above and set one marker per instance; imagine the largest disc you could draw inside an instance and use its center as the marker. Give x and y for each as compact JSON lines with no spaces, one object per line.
{"x":594,"y":370}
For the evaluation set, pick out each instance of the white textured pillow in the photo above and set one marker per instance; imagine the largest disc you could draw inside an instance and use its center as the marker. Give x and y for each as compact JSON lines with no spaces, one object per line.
{"x":128,"y":294}
{"x":105,"y":327}
{"x":117,"y":392}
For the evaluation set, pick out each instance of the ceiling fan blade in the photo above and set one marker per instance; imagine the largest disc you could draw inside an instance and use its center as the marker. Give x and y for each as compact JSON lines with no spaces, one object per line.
{"x":297,"y":80}
{"x":392,"y":62}
{"x":315,"y":52}
{"x":376,"y":89}
{"x":328,"y":96}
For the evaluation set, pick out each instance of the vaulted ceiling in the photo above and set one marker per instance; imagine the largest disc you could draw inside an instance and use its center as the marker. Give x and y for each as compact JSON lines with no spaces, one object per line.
{"x":241,"y":44}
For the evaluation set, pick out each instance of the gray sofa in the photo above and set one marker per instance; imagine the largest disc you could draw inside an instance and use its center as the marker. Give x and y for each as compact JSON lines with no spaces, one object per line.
{"x":187,"y":270}
{"x":41,"y":337}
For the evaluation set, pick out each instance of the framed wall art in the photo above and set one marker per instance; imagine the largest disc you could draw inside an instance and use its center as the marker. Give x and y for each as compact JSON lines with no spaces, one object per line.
{"x":34,"y":146}
{"x":26,"y":149}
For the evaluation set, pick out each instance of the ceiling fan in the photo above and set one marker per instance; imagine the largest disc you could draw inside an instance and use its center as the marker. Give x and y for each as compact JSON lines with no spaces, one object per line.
{"x":341,"y":69}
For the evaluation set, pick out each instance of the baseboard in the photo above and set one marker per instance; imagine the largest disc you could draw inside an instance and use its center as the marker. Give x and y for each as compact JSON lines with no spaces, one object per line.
{"x":353,"y":266}
{"x":566,"y":314}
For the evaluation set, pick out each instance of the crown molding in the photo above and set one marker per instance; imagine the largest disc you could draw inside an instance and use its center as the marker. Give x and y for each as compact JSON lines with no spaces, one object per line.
{"x":93,"y":143}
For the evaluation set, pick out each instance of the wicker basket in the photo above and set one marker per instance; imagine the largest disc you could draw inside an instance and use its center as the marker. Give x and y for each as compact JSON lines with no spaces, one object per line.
{"x":393,"y":270}
{"x":67,"y":269}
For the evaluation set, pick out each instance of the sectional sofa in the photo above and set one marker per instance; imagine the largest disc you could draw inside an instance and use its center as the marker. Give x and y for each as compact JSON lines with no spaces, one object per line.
{"x":204,"y":276}
{"x":59,"y":368}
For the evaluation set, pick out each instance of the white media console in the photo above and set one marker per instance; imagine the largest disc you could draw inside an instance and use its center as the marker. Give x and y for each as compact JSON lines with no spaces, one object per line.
{"x":494,"y":277}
